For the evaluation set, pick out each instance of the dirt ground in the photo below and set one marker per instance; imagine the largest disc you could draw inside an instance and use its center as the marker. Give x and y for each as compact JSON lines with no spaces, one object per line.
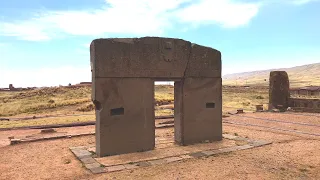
{"x":291,"y":156}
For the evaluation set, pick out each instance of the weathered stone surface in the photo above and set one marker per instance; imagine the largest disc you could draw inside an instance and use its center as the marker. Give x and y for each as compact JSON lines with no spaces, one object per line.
{"x":197,"y":154}
{"x":88,"y":160}
{"x":260,"y":143}
{"x":131,"y":166}
{"x":77,"y":147}
{"x":203,"y":62}
{"x":211,"y":152}
{"x":228,"y":149}
{"x":81,"y":153}
{"x":198,"y":110}
{"x":305,"y":105}
{"x":92,"y":165}
{"x":97,"y":170}
{"x":125,"y":115}
{"x":153,"y":57}
{"x":144,"y":164}
{"x":172,"y":159}
{"x":157,"y":161}
{"x":115,"y":168}
{"x":278,"y":89}
{"x":123,"y":75}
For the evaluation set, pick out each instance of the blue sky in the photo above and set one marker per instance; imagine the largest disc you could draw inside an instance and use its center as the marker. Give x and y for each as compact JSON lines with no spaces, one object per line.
{"x":45,"y":43}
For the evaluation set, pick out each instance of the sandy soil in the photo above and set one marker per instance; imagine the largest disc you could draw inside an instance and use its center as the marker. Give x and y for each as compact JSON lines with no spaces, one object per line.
{"x":291,"y":156}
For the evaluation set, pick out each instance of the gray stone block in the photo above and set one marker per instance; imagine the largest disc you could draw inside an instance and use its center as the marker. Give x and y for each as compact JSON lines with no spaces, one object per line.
{"x":153,"y":57}
{"x":123,"y":75}
{"x":125,"y":119}
{"x":198,"y":110}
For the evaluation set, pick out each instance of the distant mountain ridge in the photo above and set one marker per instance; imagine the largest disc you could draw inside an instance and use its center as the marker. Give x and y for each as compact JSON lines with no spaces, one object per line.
{"x":299,"y":76}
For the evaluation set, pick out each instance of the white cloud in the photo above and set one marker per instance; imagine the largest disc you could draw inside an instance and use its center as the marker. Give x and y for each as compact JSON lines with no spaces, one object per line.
{"x":139,"y":17}
{"x":224,"y":12}
{"x":301,"y":2}
{"x":44,"y":77}
{"x":25,"y":31}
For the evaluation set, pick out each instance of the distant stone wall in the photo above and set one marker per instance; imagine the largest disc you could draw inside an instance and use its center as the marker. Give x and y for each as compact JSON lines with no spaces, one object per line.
{"x":306,"y":91}
{"x":305,"y":105}
{"x":280,"y":97}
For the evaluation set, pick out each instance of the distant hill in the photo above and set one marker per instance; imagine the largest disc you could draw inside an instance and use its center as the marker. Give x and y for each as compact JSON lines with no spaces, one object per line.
{"x":299,"y":76}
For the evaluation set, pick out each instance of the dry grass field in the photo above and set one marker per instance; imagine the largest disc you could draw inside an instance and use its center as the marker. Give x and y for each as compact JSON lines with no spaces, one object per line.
{"x":74,"y":104}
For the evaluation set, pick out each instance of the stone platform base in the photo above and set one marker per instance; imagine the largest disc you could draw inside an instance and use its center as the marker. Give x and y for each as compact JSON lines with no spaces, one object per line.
{"x":165,"y":152}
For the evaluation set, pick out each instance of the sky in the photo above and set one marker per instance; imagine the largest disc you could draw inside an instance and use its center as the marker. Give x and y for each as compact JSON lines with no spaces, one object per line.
{"x":46,"y":42}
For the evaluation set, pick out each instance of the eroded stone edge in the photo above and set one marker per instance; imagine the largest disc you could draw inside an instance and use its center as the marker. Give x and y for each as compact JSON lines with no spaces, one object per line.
{"x":87,"y":160}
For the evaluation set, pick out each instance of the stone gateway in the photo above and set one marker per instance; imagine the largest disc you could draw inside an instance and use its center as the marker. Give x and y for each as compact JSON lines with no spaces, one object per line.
{"x":123,"y":75}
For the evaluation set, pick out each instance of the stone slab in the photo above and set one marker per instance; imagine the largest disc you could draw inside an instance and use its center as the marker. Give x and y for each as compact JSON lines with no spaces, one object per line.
{"x":98,"y":170}
{"x":115,"y":168}
{"x":173,"y":159}
{"x":92,"y":165}
{"x":153,"y":57}
{"x":260,"y":143}
{"x":88,"y":160}
{"x":131,"y":166}
{"x":144,"y":164}
{"x":197,"y":154}
{"x":247,"y":146}
{"x":211,"y":152}
{"x":96,"y":167}
{"x":198,"y":110}
{"x":81,"y":153}
{"x":78,"y":147}
{"x":125,"y":115}
{"x":228,"y":149}
{"x":157,"y":161}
